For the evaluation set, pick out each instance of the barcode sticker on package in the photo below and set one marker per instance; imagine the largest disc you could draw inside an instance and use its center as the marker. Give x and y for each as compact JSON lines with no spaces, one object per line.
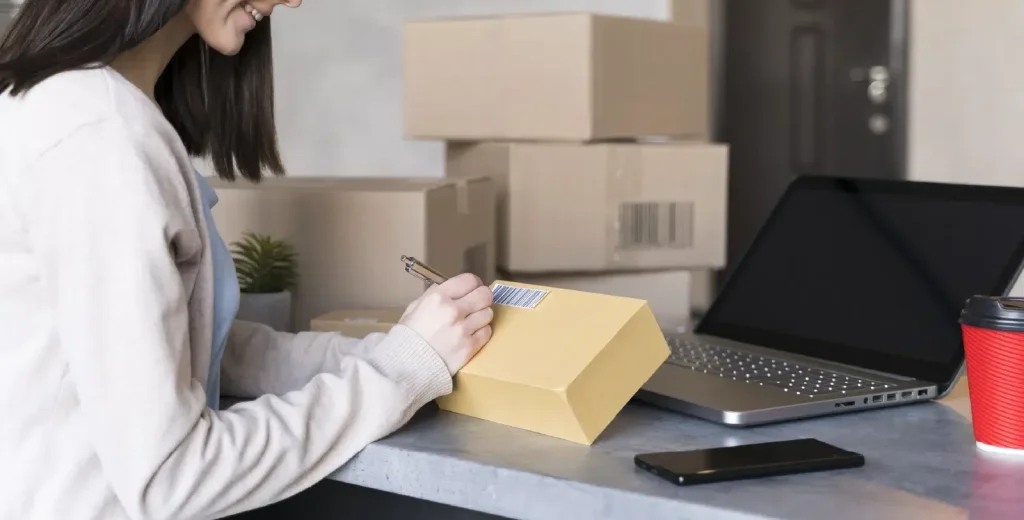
{"x":517,"y":296}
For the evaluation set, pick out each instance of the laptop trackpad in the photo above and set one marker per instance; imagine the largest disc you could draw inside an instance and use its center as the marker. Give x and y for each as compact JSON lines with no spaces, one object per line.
{"x":716,"y":392}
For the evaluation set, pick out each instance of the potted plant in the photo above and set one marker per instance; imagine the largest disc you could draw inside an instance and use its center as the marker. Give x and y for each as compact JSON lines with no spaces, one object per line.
{"x":267,"y":272}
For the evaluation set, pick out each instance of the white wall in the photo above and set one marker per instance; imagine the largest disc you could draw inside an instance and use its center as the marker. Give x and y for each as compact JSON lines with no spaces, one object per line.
{"x":338,"y":79}
{"x":966,"y":98}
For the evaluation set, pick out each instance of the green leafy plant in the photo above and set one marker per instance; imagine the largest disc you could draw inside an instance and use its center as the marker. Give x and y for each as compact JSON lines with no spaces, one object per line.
{"x":264,"y":264}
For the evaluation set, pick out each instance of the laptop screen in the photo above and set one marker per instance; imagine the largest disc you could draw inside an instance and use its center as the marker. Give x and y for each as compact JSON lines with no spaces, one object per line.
{"x":872,"y":273}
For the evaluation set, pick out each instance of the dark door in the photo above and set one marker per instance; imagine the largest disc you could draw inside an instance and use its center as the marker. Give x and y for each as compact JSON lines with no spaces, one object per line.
{"x":810,"y":87}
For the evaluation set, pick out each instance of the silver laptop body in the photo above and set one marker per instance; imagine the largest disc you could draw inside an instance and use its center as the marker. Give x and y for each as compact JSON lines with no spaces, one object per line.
{"x":744,"y":385}
{"x":718,"y":374}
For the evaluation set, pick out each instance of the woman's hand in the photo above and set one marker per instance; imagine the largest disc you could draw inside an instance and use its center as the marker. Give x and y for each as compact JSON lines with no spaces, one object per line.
{"x":454,"y":318}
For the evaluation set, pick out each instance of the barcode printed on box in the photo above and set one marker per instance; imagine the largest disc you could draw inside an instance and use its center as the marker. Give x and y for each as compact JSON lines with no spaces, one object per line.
{"x":517,"y":296}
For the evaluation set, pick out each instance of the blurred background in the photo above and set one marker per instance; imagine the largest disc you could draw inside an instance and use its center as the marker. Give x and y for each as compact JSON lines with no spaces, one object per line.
{"x":915,"y":89}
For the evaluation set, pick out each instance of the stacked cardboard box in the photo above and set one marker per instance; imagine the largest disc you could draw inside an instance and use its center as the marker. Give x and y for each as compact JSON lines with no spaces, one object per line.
{"x":350,"y":235}
{"x":595,"y":131}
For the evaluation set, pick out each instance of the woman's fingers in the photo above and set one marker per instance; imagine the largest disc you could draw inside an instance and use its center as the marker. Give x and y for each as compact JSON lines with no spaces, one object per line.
{"x":477,"y":300}
{"x":480,"y":338}
{"x":459,"y":286}
{"x":478,"y":320}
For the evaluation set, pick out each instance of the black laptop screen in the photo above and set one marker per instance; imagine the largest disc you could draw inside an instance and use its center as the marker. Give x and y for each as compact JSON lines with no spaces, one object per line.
{"x":872,"y":273}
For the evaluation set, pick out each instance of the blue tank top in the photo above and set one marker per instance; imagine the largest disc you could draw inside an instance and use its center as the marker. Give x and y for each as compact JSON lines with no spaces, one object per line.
{"x":225,"y":293}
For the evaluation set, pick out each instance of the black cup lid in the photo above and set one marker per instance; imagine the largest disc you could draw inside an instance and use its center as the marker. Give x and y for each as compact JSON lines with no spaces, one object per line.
{"x":994,"y":312}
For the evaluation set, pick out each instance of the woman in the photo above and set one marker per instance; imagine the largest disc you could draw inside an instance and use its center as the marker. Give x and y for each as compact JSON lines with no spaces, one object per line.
{"x":117,"y":296}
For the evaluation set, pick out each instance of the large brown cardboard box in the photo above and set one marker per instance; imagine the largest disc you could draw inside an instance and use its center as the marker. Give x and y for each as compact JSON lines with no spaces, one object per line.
{"x":603,"y":206}
{"x":666,"y":292}
{"x":560,"y":362}
{"x":691,"y":12}
{"x":357,"y":323}
{"x":574,"y":77}
{"x":350,"y":233}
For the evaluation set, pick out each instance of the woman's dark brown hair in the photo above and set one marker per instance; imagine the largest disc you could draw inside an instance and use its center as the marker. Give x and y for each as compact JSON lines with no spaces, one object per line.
{"x":221,"y":106}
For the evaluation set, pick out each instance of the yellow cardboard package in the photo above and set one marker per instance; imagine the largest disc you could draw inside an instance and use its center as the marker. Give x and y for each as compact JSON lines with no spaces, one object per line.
{"x":560,"y":362}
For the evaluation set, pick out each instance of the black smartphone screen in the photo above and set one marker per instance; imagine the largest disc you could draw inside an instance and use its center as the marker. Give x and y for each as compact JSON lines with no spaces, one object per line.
{"x":747,"y":461}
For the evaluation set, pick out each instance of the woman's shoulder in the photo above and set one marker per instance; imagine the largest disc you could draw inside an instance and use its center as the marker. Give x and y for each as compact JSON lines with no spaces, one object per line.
{"x":92,"y":123}
{"x":77,"y":103}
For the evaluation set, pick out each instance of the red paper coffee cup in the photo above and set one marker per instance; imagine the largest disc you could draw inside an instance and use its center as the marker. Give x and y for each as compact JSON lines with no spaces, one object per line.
{"x":993,"y":332}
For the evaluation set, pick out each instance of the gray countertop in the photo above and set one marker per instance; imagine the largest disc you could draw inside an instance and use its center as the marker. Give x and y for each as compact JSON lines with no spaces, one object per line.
{"x":921,"y":463}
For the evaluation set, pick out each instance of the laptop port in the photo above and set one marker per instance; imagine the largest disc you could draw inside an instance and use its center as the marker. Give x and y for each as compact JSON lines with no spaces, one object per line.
{"x":876,"y":399}
{"x":907,"y":395}
{"x":890,"y":397}
{"x":845,"y":404}
{"x":922,"y":393}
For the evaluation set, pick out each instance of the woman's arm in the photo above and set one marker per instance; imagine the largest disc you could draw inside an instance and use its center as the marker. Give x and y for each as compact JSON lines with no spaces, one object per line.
{"x":259,"y":360}
{"x":109,"y":211}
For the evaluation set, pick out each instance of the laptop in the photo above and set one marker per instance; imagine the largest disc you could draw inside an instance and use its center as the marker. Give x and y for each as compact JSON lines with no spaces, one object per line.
{"x":848,"y":299}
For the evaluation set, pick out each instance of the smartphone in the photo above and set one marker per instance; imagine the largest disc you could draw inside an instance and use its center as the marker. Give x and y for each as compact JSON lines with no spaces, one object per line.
{"x":766,"y":459}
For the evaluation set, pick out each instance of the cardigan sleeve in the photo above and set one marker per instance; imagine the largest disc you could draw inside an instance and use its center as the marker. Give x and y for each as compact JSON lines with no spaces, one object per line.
{"x":259,"y":360}
{"x":110,"y":224}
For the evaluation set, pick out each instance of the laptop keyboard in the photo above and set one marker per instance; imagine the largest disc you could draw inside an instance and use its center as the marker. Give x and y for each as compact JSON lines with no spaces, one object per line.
{"x":766,"y":371}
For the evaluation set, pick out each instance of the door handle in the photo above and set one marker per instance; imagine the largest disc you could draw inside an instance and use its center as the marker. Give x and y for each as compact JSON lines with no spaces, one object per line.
{"x":877,"y":79}
{"x":878,"y":87}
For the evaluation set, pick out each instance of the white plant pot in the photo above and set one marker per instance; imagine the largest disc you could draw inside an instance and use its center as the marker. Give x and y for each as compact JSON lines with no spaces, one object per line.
{"x":271,"y":309}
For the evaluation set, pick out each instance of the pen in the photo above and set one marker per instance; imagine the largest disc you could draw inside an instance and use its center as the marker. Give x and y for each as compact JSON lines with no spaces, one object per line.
{"x":423,"y":271}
